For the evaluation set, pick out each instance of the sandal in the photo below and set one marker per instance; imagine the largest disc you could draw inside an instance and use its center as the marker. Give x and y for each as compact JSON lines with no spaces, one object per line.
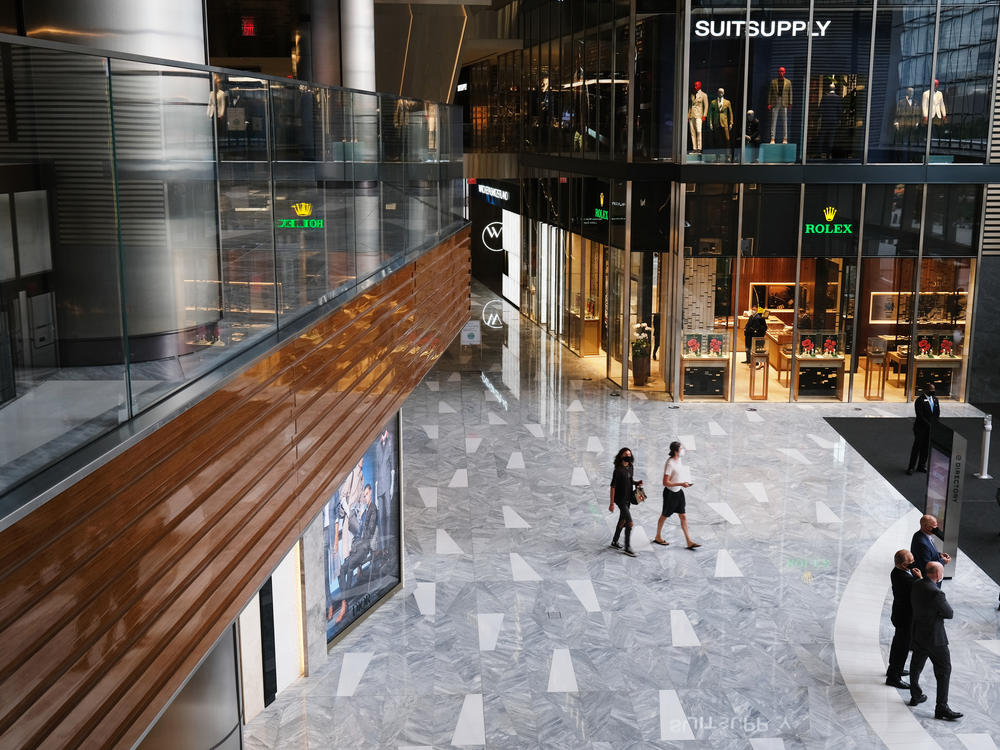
{"x":693,"y":545}
{"x":657,"y":541}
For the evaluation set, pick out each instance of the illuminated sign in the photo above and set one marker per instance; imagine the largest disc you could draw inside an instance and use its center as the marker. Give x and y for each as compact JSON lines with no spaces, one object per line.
{"x":303,"y":211}
{"x":248,"y":26}
{"x":493,"y":236}
{"x":829,"y":213}
{"x":493,"y":192}
{"x":738,"y":28}
{"x":602,"y":212}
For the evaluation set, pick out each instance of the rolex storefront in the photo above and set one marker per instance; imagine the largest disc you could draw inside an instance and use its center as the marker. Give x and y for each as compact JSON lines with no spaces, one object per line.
{"x":832,"y":292}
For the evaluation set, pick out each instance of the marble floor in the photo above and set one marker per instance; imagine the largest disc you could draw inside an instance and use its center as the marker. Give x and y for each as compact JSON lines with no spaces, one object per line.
{"x":518,"y":627}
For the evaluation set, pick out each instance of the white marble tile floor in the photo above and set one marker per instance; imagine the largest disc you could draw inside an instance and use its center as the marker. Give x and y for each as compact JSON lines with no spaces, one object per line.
{"x":518,"y":627}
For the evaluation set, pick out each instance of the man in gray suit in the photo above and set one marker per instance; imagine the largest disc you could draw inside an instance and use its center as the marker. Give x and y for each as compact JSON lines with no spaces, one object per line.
{"x":929,"y":641}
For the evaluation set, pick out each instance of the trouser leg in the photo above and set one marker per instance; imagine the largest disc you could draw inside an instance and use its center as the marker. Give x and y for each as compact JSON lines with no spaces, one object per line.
{"x":917,"y":662}
{"x":784,"y":124}
{"x":941,"y":659}
{"x":897,"y":652}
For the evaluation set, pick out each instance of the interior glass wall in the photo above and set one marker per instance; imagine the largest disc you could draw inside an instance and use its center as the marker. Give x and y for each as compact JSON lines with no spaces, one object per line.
{"x":767,"y":287}
{"x":709,"y":338}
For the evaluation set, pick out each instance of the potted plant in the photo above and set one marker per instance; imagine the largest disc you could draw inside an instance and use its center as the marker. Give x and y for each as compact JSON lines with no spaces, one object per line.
{"x":640,"y":353}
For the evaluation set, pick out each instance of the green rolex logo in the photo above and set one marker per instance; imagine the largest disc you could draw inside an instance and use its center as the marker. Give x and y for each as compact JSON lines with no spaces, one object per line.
{"x":829,"y":213}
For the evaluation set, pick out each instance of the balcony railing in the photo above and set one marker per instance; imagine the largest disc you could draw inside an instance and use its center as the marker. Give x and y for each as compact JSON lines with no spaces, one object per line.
{"x":157,"y":219}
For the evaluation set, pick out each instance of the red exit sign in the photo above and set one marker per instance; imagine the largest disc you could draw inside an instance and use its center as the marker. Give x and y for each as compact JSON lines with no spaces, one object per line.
{"x":248,"y":26}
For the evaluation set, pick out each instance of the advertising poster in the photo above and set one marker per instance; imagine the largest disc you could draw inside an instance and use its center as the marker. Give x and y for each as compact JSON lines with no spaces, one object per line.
{"x":361,"y":533}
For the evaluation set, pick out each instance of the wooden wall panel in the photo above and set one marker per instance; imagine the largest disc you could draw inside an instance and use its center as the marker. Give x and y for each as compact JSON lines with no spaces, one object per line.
{"x":112,"y":592}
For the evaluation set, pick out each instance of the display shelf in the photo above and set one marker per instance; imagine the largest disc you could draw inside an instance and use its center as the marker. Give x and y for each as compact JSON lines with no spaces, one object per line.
{"x":935,"y":308}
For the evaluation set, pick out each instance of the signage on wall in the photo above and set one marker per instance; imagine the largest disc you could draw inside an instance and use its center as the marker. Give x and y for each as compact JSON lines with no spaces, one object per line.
{"x":602,"y":212}
{"x":493,"y":236}
{"x":303,"y":211}
{"x":829,"y":213}
{"x":735,"y":29}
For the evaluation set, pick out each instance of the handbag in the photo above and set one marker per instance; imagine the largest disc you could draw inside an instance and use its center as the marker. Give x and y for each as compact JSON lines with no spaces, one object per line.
{"x":638,"y":496}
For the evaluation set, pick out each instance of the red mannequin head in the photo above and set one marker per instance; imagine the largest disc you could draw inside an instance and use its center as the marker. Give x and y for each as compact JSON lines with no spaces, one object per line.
{"x":936,"y":82}
{"x":781,"y":72}
{"x":697,"y":85}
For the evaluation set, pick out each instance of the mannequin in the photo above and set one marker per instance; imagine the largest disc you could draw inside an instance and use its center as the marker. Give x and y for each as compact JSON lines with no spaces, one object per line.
{"x":752,"y":136}
{"x":779,"y":101}
{"x":907,"y":117}
{"x":697,"y":114}
{"x":720,"y":121}
{"x":937,"y":111}
{"x":830,"y":108}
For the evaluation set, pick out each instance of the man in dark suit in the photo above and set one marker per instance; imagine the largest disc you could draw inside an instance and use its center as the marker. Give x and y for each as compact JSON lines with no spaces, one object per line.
{"x":903,"y":577}
{"x":922,"y":545}
{"x":930,"y":610}
{"x":363,"y":525}
{"x":928,"y":410}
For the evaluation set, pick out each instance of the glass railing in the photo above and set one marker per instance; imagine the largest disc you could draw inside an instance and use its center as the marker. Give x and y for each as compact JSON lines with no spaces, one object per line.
{"x":158,"y":219}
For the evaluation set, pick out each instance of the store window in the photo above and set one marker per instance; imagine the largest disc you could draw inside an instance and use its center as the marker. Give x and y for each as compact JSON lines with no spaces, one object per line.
{"x":904,"y":41}
{"x":706,"y":342}
{"x":776,"y":80}
{"x":943,"y":324}
{"x":824,"y":329}
{"x":766,"y":287}
{"x":962,"y":98}
{"x":953,"y":214}
{"x":714,"y":100}
{"x":654,"y":81}
{"x":838,"y":86}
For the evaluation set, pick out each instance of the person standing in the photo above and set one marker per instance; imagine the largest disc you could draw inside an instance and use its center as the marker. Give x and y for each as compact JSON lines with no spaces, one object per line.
{"x":903,"y":576}
{"x":930,"y":610}
{"x":927,"y":409}
{"x":922,"y":545}
{"x":755,"y":328}
{"x":622,"y":489}
{"x":676,"y":477}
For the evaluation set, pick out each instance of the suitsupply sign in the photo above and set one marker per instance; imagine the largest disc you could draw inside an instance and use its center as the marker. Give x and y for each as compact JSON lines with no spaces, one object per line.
{"x":735,"y":29}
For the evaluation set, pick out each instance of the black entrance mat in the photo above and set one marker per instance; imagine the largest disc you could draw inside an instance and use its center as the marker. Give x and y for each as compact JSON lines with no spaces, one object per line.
{"x":885,"y":444}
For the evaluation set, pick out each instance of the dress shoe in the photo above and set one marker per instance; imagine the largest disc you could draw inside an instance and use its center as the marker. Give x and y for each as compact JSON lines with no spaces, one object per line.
{"x":943,"y":712}
{"x":897,"y":684}
{"x":922,"y":470}
{"x":909,"y":472}
{"x":616,"y":545}
{"x":918,"y":701}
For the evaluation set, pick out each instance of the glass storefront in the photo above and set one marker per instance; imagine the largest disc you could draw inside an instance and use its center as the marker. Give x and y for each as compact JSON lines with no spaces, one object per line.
{"x":785,"y":83}
{"x":848,"y":303}
{"x":777,"y":292}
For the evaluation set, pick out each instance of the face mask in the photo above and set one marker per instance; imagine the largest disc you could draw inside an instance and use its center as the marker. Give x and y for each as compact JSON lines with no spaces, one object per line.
{"x":626,"y":459}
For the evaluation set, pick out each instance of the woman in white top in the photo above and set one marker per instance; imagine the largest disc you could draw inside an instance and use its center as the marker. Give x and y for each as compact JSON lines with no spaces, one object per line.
{"x":676,"y":476}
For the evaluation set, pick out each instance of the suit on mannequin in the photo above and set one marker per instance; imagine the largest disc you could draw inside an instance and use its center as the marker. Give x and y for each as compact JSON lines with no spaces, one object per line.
{"x":907,"y":117}
{"x":720,"y":121}
{"x":697,"y":113}
{"x":779,"y":101}
{"x":937,"y":111}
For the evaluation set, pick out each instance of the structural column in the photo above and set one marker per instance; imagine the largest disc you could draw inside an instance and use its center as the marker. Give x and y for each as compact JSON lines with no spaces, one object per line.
{"x":357,"y":37}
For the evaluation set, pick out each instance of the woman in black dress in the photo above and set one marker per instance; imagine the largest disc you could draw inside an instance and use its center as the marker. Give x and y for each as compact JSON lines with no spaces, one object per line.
{"x":622,"y":488}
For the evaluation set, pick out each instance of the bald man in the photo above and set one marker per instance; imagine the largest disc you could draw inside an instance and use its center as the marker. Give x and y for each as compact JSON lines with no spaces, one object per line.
{"x":930,"y":610}
{"x":903,"y":576}
{"x":922,"y":545}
